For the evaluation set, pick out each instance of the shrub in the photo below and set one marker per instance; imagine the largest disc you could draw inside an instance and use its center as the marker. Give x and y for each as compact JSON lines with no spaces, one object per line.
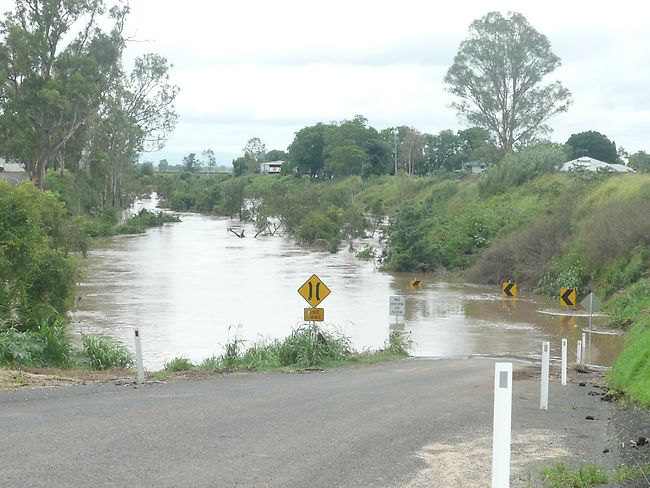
{"x":20,"y":348}
{"x":523,"y":255}
{"x":179,"y":364}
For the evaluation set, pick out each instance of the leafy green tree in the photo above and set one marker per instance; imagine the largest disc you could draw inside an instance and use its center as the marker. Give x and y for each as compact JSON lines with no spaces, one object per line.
{"x":37,"y":266}
{"x":163,"y":165}
{"x":254,"y":154}
{"x":56,"y":77}
{"x":306,"y":150}
{"x":593,"y":144}
{"x":498,"y":74}
{"x":234,"y":191}
{"x":146,"y":168}
{"x":640,"y":161}
{"x":405,"y":235}
{"x":190,"y":163}
{"x":412,"y":150}
{"x":346,"y":160}
{"x":210,"y":160}
{"x":276,"y":155}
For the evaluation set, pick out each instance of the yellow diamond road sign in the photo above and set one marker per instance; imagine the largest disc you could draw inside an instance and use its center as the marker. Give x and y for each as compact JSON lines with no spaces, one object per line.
{"x":314,"y":291}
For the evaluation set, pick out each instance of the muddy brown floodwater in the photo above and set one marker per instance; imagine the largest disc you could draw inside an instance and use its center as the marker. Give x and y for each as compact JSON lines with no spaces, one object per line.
{"x":192,"y":286}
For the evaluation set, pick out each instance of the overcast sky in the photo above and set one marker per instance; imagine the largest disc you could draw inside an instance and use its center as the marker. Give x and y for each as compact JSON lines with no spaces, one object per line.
{"x":259,"y":68}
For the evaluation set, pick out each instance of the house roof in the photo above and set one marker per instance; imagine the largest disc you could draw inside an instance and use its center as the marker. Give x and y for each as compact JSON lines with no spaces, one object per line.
{"x":592,"y":164}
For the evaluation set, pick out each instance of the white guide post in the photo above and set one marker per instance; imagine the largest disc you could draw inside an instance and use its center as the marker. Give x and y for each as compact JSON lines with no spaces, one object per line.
{"x":579,"y":352}
{"x":546,"y":355}
{"x":138,"y":356}
{"x":564,"y":361}
{"x":583,"y":356}
{"x":501,"y":430}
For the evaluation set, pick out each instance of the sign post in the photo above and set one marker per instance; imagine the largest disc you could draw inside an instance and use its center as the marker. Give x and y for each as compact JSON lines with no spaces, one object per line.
{"x":502,"y":425}
{"x":396,"y":306}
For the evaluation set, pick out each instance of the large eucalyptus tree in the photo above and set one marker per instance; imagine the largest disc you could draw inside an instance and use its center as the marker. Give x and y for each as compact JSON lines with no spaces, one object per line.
{"x":498,"y":73}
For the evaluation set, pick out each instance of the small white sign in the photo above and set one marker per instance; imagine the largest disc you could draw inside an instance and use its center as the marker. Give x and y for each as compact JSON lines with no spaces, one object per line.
{"x":396,"y":305}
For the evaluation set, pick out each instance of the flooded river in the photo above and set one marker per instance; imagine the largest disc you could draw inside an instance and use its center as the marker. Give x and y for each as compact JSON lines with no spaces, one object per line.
{"x":192,"y":286}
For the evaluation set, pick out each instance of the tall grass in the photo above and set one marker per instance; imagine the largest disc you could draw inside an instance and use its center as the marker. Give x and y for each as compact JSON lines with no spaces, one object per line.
{"x":104,"y":352}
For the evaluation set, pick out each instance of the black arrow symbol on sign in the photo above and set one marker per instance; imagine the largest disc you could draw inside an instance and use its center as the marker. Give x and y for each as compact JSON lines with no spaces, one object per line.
{"x":311,"y":287}
{"x":318,"y":291}
{"x":508,"y":288}
{"x":566,"y":297}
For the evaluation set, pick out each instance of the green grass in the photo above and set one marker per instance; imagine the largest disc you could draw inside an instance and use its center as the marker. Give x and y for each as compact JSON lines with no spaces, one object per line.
{"x":587,"y":475}
{"x":561,"y":476}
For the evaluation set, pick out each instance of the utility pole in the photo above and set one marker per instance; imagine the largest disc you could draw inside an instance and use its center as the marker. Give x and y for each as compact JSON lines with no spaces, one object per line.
{"x":396,"y":132}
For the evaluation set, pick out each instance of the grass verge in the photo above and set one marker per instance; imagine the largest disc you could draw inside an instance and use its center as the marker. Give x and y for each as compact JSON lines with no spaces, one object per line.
{"x":631,"y":370}
{"x":584,"y":476}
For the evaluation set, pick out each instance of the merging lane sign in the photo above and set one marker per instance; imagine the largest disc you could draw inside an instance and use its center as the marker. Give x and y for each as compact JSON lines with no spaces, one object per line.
{"x":568,"y":297}
{"x":509,"y":289}
{"x":314,"y":291}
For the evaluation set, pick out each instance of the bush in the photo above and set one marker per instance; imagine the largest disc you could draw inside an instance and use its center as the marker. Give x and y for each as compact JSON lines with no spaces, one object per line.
{"x":523,"y":255}
{"x":145,"y":219}
{"x":20,"y":348}
{"x":179,"y":364}
{"x":517,"y":168}
{"x":104,"y":352}
{"x":37,"y":267}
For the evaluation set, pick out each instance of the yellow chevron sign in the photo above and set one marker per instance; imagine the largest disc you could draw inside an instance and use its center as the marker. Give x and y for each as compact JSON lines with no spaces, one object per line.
{"x":509,"y":289}
{"x":568,"y":297}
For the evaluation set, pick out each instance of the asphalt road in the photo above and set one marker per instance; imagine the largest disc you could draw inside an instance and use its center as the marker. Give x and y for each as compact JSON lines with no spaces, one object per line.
{"x":409,"y":423}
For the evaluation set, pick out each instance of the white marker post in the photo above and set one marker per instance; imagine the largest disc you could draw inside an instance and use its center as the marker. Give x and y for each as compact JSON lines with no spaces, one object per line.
{"x":546,"y":354}
{"x":583,"y":356}
{"x":564,"y":361}
{"x":501,"y":429}
{"x":579,"y":352}
{"x":138,"y":356}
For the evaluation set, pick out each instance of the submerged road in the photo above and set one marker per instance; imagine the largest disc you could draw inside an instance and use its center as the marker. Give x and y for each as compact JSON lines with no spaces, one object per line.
{"x":408,"y":423}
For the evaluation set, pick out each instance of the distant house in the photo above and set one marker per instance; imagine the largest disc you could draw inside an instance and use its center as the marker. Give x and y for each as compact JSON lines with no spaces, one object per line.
{"x":475,"y":167}
{"x":6,"y":167}
{"x":272,"y":167}
{"x":591,"y":164}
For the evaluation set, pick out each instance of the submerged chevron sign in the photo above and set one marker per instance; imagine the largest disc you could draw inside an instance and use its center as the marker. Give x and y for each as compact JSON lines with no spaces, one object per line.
{"x":568,"y":297}
{"x":509,"y":289}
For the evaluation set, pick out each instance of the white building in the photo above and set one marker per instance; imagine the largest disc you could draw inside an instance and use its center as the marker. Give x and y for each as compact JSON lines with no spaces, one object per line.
{"x":6,"y":167}
{"x":591,"y":164}
{"x":272,"y":167}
